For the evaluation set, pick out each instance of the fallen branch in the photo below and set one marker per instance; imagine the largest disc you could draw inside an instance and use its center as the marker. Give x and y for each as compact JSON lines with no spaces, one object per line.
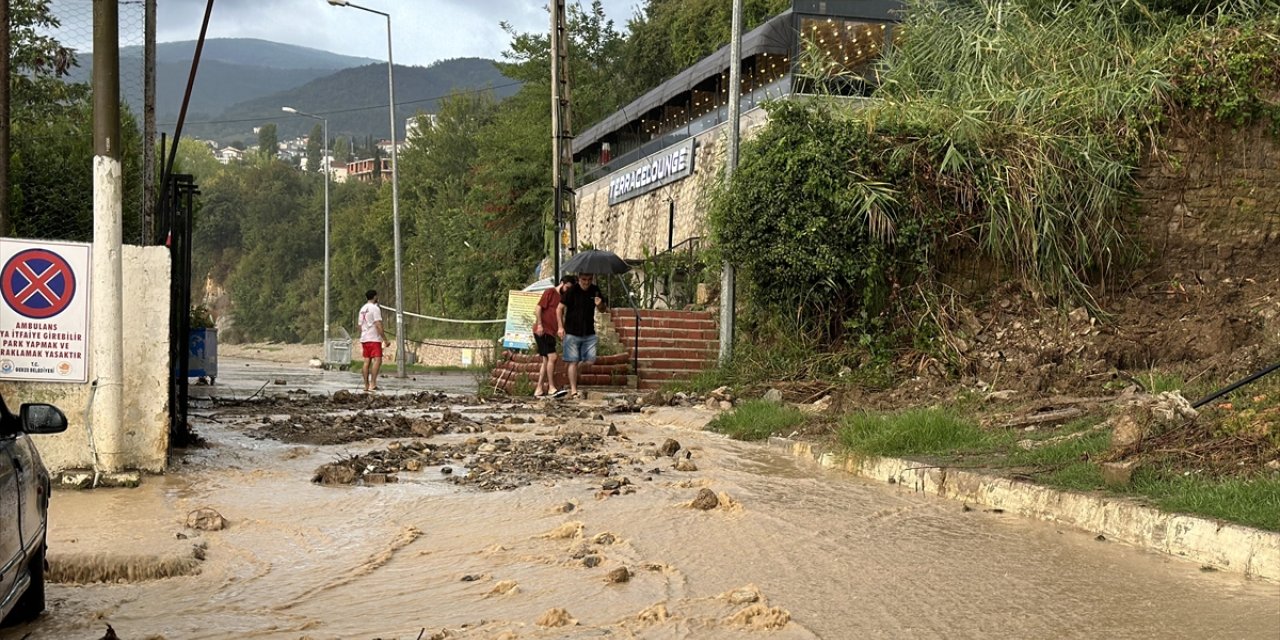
{"x":1049,"y":417}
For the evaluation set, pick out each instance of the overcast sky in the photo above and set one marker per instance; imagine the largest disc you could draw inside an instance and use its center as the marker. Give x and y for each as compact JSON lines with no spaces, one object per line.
{"x":424,"y":31}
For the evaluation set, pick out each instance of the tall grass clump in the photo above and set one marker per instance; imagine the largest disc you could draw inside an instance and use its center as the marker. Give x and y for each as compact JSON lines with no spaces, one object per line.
{"x":757,"y":420}
{"x":913,"y":432}
{"x":1007,"y":129}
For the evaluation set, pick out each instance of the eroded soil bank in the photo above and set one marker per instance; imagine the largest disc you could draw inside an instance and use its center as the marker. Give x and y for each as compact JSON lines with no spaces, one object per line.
{"x":577,"y":523}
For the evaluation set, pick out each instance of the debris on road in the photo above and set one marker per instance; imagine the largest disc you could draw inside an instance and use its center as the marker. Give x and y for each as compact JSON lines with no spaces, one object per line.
{"x":669,"y":447}
{"x":706,"y":500}
{"x":330,"y":429}
{"x":206,"y":519}
{"x":501,"y":464}
{"x":556,"y":618}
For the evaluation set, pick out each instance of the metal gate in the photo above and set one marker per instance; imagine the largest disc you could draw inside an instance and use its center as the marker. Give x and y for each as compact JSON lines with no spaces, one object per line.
{"x":174,"y":214}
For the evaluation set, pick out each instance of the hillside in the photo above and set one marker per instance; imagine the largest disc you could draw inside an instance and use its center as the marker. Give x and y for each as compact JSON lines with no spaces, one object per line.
{"x":356,"y":99}
{"x":232,"y":70}
{"x":252,"y":52}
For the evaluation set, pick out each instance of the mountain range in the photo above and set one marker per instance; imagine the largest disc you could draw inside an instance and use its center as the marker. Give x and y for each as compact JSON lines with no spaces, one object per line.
{"x":242,"y":83}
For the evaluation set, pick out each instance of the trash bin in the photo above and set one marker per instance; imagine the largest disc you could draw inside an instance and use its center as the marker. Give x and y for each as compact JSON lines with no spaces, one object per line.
{"x":202,"y":353}
{"x":337,"y":352}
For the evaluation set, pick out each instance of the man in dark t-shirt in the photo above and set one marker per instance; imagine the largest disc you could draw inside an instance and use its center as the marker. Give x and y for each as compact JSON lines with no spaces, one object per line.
{"x":577,"y":315}
{"x":546,"y":326}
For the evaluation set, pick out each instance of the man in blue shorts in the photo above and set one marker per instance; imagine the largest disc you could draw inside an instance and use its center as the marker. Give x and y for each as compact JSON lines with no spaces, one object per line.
{"x":577,"y":315}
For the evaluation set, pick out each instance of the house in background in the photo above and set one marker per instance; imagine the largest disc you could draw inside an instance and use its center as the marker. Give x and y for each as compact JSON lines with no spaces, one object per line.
{"x":227,"y":155}
{"x":362,"y":170}
{"x":414,"y":126}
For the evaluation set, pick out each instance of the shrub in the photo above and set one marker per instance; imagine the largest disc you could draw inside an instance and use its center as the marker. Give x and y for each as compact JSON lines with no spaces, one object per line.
{"x":1011,"y":129}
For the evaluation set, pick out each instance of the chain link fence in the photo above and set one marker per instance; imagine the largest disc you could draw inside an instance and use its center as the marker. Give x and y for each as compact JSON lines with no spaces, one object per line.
{"x":51,"y":172}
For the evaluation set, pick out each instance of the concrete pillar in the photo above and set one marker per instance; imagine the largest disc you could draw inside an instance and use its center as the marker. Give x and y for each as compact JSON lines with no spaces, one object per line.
{"x":106,"y":332}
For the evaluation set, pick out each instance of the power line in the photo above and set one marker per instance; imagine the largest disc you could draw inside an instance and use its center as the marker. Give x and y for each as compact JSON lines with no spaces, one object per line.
{"x":354,"y":109}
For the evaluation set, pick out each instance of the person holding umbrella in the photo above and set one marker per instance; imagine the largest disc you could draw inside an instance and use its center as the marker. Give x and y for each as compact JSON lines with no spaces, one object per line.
{"x":577,"y":316}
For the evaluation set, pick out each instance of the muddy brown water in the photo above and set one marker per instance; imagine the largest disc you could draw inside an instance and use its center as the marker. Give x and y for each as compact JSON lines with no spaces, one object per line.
{"x":797,"y":553}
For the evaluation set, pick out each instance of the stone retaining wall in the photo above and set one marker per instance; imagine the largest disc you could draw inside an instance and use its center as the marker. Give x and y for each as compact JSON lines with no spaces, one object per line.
{"x":1212,"y":196}
{"x":641,"y":224}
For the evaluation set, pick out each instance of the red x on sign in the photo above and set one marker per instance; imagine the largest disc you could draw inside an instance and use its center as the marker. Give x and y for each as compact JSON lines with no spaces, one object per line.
{"x":37,"y":283}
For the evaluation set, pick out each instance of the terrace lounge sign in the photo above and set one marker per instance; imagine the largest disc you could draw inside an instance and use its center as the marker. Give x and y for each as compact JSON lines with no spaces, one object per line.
{"x":658,"y":170}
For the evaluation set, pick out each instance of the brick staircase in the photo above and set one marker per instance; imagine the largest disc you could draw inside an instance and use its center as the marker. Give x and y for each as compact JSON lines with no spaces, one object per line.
{"x":673,"y":345}
{"x":608,"y":371}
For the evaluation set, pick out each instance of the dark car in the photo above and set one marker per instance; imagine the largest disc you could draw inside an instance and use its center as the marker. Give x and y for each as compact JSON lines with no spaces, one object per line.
{"x":24,"y":508}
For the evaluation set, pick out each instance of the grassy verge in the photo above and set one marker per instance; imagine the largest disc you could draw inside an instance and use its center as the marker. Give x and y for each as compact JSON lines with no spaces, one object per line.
{"x":757,"y":420}
{"x":1069,"y":462}
{"x":913,"y":432}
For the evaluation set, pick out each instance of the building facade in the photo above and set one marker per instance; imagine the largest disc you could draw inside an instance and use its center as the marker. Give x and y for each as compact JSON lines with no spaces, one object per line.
{"x":362,"y":170}
{"x":644,"y":172}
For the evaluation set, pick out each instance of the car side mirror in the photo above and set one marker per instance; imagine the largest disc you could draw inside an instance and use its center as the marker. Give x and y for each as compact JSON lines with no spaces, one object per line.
{"x":42,"y":418}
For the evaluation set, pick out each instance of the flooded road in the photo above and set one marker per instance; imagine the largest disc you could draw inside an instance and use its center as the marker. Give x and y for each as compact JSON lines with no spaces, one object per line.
{"x":791,"y":552}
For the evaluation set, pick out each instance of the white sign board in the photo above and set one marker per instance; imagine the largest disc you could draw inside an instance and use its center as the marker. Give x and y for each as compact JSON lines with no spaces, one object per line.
{"x":656,"y":171}
{"x":44,"y":318}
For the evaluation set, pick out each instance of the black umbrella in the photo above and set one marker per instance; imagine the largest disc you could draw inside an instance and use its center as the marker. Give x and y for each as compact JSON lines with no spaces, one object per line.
{"x":594,"y":261}
{"x":608,"y":263}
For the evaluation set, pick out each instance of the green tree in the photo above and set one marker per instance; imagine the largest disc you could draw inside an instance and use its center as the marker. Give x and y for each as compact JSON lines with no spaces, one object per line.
{"x":217,"y":241}
{"x":274,"y":282}
{"x":669,"y":35}
{"x":437,"y":177}
{"x":268,"y":141}
{"x":195,"y":158}
{"x":38,"y":63}
{"x":51,"y":152}
{"x":315,"y":148}
{"x":512,"y":199}
{"x":341,"y":151}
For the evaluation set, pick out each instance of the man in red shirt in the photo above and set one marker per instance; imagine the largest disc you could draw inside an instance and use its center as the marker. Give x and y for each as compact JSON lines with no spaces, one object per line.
{"x":545,"y":328}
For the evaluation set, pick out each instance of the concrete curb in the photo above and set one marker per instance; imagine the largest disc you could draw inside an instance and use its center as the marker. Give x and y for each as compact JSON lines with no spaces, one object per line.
{"x":1229,"y":547}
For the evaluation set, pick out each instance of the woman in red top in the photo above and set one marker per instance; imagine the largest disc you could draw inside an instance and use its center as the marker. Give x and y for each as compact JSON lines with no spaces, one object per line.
{"x":545,"y":328}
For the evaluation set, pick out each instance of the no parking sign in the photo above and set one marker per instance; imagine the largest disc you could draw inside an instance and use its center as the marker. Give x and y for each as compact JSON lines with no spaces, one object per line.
{"x":44,"y":318}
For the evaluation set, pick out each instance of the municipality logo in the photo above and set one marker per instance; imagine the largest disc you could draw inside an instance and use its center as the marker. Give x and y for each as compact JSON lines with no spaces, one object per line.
{"x":6,"y":367}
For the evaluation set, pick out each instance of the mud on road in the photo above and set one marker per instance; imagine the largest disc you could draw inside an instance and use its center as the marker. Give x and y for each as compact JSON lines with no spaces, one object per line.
{"x":337,"y":519}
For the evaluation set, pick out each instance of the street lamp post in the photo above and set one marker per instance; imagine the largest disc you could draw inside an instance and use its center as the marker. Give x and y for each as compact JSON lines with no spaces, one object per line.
{"x":395,"y":187}
{"x":324,"y":163}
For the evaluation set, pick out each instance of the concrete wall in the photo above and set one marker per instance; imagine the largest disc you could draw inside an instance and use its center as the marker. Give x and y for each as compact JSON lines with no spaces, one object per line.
{"x":630,"y":227}
{"x":146,"y":364}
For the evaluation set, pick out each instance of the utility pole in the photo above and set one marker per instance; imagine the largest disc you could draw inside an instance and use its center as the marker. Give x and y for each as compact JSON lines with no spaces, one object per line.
{"x":561,"y":135}
{"x":149,"y":123}
{"x":727,"y":298}
{"x":107,"y":328}
{"x":4,"y":118}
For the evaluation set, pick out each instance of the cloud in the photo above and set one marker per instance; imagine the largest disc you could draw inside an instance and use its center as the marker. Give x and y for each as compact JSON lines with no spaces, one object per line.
{"x":423,"y":31}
